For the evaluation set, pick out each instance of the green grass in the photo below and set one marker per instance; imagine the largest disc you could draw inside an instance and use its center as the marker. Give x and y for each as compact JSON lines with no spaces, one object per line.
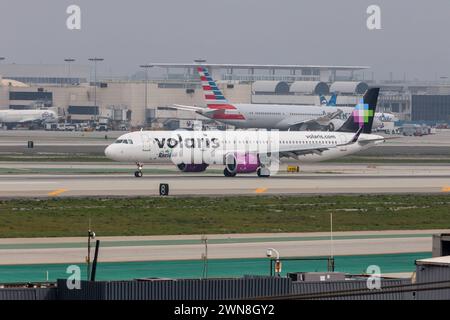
{"x":198,"y":215}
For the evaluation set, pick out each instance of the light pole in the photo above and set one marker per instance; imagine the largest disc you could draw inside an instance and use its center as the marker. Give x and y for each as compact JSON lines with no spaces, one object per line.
{"x":69,"y":61}
{"x":95,"y":60}
{"x":205,"y":257}
{"x":269,"y":254}
{"x":146,"y":67}
{"x":91,"y":236}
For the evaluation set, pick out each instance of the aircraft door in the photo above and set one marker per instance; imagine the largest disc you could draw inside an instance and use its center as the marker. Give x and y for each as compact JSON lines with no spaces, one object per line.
{"x":146,"y":143}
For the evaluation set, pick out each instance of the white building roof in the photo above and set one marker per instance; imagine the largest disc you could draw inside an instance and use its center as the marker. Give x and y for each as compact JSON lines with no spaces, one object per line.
{"x":258,"y":66}
{"x":438,"y":261}
{"x":309,"y":87}
{"x":270,"y":86}
{"x":351,"y":87}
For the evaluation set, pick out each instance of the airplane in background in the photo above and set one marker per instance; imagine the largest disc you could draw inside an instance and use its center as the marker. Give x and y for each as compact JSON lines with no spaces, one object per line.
{"x":330,"y":103}
{"x":380,"y":117}
{"x":265,"y":116}
{"x":248,"y":151}
{"x":11,"y":118}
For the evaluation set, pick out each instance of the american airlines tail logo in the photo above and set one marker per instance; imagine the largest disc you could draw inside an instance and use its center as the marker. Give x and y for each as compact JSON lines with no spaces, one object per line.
{"x":212,"y":92}
{"x":362,"y":113}
{"x":215,"y":98}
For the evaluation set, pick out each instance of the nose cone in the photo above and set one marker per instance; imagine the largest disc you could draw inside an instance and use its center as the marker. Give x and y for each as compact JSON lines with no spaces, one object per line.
{"x":108,"y":152}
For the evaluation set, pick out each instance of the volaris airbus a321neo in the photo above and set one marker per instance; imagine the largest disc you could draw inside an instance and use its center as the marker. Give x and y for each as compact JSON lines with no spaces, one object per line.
{"x":248,"y":151}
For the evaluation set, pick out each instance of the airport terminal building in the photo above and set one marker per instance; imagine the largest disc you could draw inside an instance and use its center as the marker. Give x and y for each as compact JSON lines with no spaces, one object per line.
{"x":144,"y":99}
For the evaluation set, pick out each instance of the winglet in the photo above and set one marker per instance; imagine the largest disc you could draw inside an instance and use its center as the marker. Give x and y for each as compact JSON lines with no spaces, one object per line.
{"x":354,"y":139}
{"x":356,"y":136}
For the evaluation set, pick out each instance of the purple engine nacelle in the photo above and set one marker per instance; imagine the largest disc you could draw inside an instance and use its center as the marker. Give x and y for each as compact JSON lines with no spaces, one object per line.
{"x":192,"y":167}
{"x":242,"y":163}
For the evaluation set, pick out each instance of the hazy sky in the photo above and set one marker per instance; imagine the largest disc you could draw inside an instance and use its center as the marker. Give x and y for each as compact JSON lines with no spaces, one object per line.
{"x":414,"y":36}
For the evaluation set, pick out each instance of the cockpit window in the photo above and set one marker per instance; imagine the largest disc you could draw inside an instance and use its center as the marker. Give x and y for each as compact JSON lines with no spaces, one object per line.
{"x":125,"y":141}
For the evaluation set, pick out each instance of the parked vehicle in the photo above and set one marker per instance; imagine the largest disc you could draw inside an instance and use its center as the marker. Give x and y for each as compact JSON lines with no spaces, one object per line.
{"x":65,"y":127}
{"x":101,"y":127}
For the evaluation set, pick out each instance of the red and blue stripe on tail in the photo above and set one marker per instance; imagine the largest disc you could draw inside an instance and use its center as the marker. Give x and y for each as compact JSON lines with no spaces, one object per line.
{"x":214,"y":97}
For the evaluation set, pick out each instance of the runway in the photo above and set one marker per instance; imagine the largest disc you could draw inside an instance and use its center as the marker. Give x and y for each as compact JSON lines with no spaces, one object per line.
{"x":231,"y":246}
{"x":374,"y":181}
{"x":94,"y":143}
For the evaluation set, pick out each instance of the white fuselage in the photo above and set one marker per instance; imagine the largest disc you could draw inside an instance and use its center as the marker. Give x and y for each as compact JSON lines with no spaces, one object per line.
{"x":282,"y":117}
{"x":23,"y":116}
{"x":160,"y":146}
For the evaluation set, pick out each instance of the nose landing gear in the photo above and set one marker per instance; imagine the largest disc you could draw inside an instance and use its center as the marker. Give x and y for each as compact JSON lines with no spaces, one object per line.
{"x":138,"y":173}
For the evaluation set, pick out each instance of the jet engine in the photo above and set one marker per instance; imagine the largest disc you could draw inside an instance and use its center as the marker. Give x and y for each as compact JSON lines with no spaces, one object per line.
{"x":335,"y":124}
{"x":192,"y":167}
{"x":240,"y":163}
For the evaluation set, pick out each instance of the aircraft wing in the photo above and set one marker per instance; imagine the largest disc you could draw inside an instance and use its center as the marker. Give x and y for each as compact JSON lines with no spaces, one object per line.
{"x":323,"y":120}
{"x":365,"y":142}
{"x":209,"y":113}
{"x":317,"y":149}
{"x":187,"y":108}
{"x":292,"y":152}
{"x":283,"y":151}
{"x":28,"y":120}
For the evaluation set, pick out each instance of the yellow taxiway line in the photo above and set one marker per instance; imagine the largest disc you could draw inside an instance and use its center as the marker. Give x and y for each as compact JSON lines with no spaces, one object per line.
{"x":57,"y":192}
{"x":261,"y":190}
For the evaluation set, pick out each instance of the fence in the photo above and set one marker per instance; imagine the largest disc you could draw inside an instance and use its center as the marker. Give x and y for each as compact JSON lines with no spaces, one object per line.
{"x":186,"y":289}
{"x":271,"y":288}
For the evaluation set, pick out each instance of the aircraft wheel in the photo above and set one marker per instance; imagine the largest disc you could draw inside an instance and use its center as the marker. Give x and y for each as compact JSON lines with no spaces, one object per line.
{"x":138,"y":174}
{"x":227,"y":173}
{"x":263,"y":173}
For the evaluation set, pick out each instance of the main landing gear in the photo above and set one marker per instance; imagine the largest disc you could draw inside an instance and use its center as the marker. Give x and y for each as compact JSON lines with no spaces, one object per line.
{"x":227,"y":173}
{"x":263,"y":172}
{"x":138,"y":173}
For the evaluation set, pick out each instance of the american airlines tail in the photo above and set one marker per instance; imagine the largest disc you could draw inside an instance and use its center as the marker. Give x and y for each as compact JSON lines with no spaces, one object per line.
{"x":215,"y":100}
{"x":363,"y":114}
{"x":213,"y":96}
